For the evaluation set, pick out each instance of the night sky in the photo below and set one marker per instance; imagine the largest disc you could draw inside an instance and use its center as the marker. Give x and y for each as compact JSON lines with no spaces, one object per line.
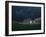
{"x":19,"y":13}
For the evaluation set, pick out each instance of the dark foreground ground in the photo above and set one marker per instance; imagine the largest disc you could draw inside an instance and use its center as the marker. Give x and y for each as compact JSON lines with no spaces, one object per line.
{"x":17,"y":27}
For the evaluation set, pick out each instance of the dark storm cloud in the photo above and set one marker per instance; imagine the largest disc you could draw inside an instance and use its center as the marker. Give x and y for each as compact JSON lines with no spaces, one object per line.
{"x":20,"y":13}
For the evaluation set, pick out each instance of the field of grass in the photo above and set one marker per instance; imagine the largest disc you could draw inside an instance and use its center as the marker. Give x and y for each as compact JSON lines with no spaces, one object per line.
{"x":17,"y":27}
